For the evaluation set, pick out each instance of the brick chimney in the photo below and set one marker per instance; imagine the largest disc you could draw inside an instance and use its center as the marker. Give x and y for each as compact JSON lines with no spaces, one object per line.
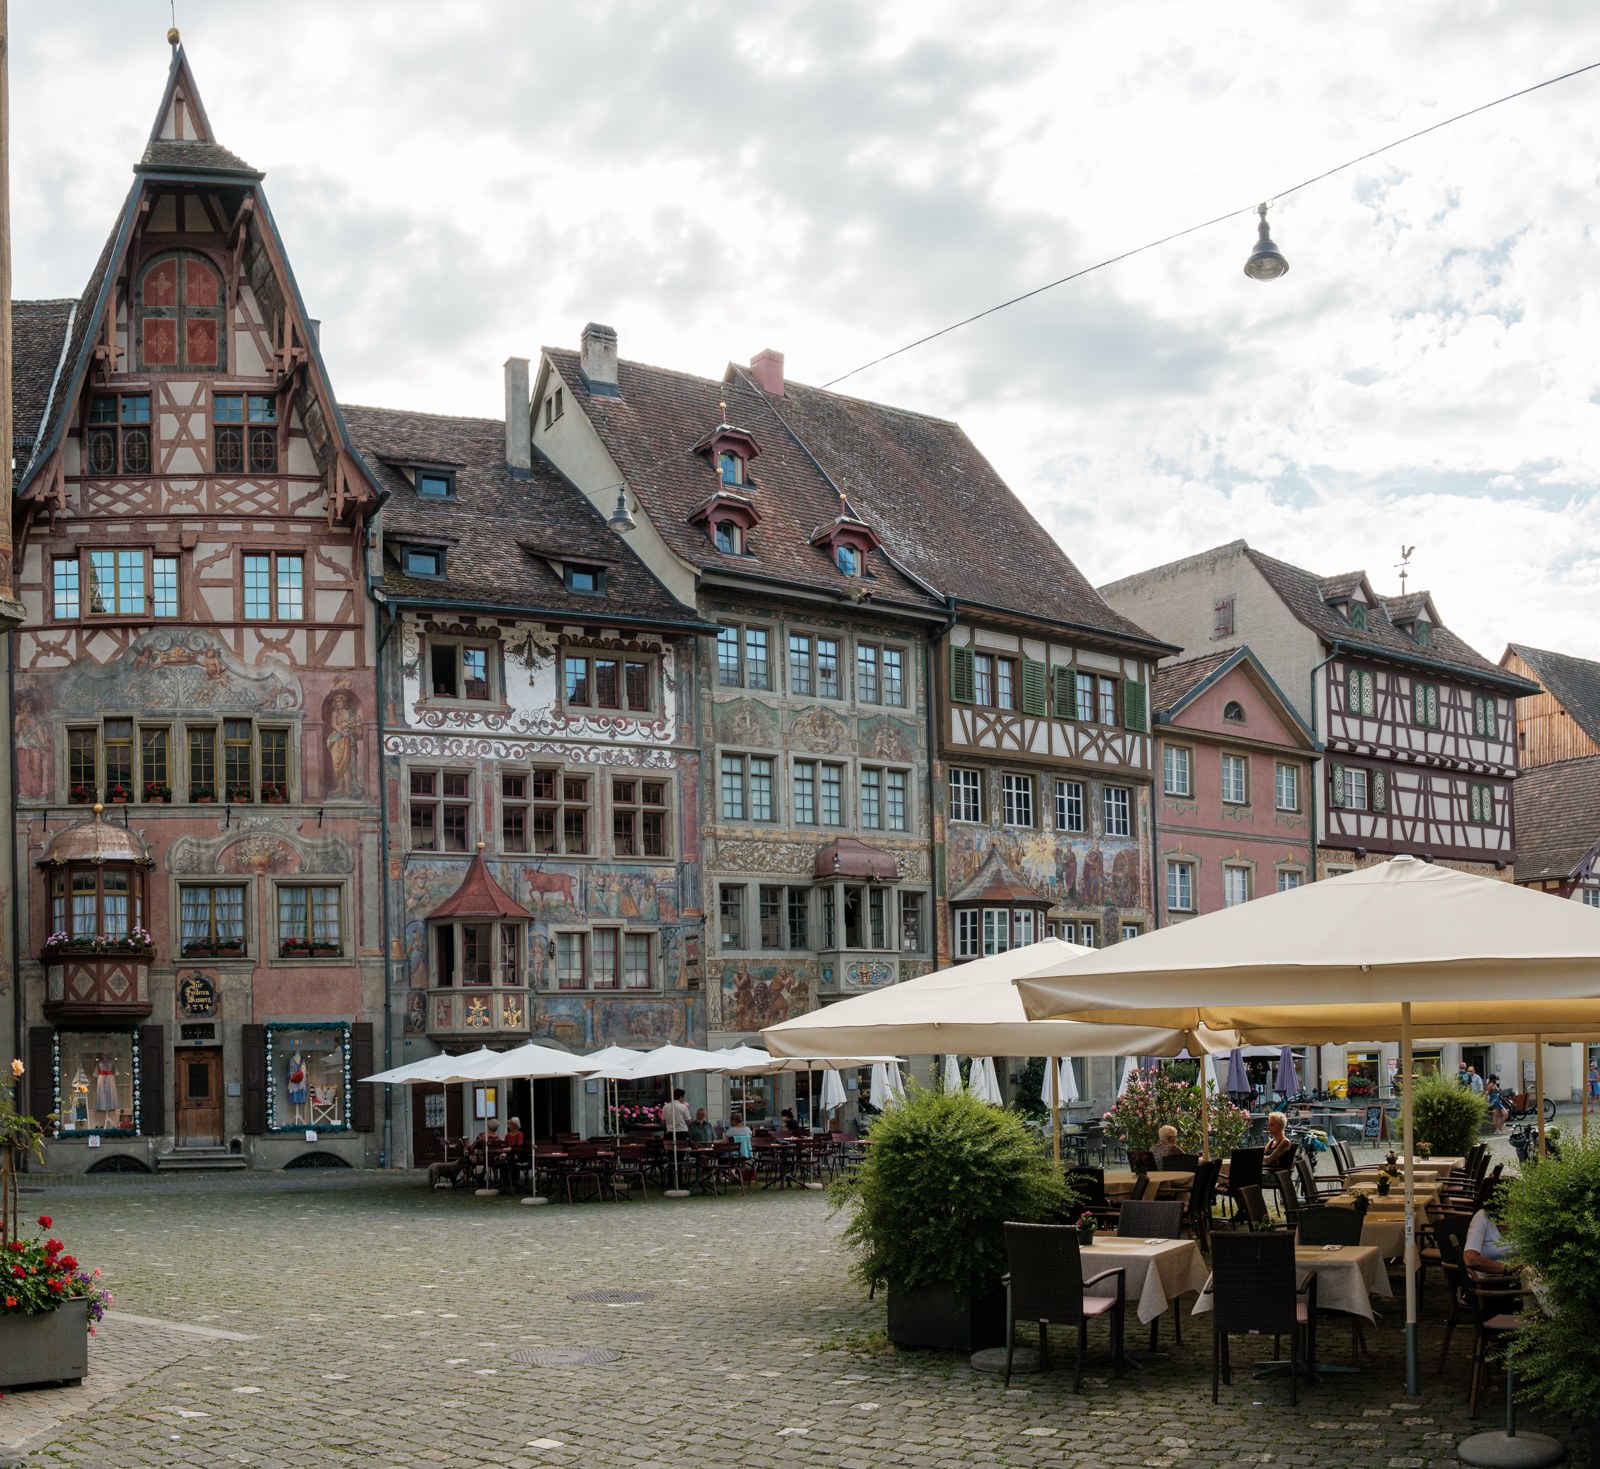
{"x":600,"y":360}
{"x":519,"y":427}
{"x":766,"y":367}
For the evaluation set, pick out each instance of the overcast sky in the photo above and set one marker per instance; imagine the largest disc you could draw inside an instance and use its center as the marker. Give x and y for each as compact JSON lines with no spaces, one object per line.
{"x":458,"y":183}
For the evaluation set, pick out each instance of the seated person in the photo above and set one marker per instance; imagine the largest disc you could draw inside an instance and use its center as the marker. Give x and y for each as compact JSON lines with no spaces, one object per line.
{"x":514,"y":1137}
{"x":1166,"y":1142}
{"x":1280,"y":1151}
{"x":700,"y":1129}
{"x":1483,"y":1251}
{"x":790,"y":1122}
{"x":741,"y":1135}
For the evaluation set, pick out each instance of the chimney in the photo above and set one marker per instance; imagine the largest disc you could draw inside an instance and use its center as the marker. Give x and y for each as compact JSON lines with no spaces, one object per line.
{"x":766,"y":368}
{"x":600,"y":360}
{"x":519,"y":449}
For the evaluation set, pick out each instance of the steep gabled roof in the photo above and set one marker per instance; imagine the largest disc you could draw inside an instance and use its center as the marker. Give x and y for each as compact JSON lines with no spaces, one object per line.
{"x":1174,"y":682}
{"x":496,"y":524}
{"x":479,"y":896}
{"x":996,"y":881}
{"x":1574,"y":683}
{"x":1177,"y":685}
{"x":39,"y":332}
{"x":1557,"y":811}
{"x":1303,"y":592}
{"x":949,"y":524}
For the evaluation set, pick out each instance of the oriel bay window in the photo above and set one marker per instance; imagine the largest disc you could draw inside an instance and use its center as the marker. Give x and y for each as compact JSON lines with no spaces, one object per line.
{"x":212,"y":920}
{"x":476,"y":955}
{"x":308,"y":922}
{"x":99,"y":902}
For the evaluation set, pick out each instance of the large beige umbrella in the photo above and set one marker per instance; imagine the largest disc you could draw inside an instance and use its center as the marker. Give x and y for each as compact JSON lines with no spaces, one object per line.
{"x":1378,"y":953}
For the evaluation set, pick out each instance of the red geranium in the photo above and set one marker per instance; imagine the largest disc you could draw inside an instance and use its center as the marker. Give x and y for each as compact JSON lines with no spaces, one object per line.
{"x":44,"y":1221}
{"x":11,"y":1300}
{"x":68,"y":1263}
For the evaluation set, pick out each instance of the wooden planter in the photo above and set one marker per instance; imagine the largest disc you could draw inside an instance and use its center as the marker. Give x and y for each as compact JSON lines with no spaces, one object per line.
{"x":50,"y":1347}
{"x":938,"y":1318}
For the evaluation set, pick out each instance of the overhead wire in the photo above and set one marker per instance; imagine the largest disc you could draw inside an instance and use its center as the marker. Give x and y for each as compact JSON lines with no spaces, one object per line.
{"x":1217,"y":219}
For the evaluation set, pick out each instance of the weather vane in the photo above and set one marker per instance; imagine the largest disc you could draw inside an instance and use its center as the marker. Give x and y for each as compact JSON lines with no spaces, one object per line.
{"x":1405,"y":556}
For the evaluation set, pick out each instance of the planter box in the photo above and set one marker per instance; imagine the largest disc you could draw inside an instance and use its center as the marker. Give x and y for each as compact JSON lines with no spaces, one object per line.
{"x":50,"y":1347}
{"x":937,"y":1317}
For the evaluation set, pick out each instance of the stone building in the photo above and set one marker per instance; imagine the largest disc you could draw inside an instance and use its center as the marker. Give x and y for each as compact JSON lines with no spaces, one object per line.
{"x":201,"y":971}
{"x":540,"y":763}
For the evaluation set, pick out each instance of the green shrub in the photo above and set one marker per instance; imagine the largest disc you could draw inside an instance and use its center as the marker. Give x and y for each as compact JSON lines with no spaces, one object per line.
{"x":1447,"y":1115}
{"x":1552,"y":1218}
{"x":1032,"y":1094}
{"x":944,"y":1173}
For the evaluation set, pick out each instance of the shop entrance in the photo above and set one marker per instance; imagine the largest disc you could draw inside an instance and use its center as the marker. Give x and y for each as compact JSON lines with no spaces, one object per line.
{"x":1477,"y":1057}
{"x":435,"y":1115}
{"x":199,"y":1098}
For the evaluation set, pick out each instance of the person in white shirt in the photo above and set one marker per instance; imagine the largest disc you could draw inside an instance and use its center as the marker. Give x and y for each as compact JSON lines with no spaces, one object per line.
{"x":675,"y":1114}
{"x":1484,"y":1250}
{"x":1474,"y":1081}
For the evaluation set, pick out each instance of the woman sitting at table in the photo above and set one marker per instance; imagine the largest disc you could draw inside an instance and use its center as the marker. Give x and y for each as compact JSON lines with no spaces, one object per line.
{"x":741,"y":1135}
{"x":1166,"y":1142}
{"x":1280,"y":1151}
{"x":514,"y":1137}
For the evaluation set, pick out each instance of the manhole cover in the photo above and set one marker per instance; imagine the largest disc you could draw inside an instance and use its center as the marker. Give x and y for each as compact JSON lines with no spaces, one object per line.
{"x":565,"y":1356}
{"x":613,"y":1297}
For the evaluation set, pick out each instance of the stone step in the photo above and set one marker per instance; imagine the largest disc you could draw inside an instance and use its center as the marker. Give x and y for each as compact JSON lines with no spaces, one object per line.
{"x":191,"y":1159}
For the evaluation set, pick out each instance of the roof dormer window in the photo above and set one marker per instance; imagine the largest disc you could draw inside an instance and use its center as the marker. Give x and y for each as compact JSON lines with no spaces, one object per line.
{"x":729,"y":538}
{"x":1358,"y":616}
{"x":730,"y":467}
{"x":436,"y":484}
{"x":590,"y":580}
{"x":422,"y":561}
{"x":848,"y":559}
{"x":1423,"y":634}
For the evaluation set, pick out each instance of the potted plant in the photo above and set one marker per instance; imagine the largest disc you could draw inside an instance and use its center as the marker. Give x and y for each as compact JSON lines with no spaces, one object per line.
{"x":80,"y":794}
{"x":1446,"y":1115}
{"x":1085,"y":1228}
{"x":1424,"y":1151}
{"x":202,"y":794}
{"x":294,"y":948}
{"x":238,"y":792}
{"x":229,"y":946}
{"x":1360,"y":1200}
{"x":135,"y":942}
{"x":928,"y":1208}
{"x":1156,"y":1098}
{"x":119,"y":794}
{"x":274,"y":792}
{"x":46,"y":1306}
{"x":1383,"y":1184}
{"x":158,"y":791}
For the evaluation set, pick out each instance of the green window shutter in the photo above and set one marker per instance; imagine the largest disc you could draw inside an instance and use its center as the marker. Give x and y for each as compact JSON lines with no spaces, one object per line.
{"x":1066,"y":694}
{"x":1491,"y":718}
{"x":1380,"y":790}
{"x":1368,"y":704}
{"x":1475,"y":802}
{"x":1352,"y":691}
{"x":1035,"y":695}
{"x":962,"y":688}
{"x":1134,"y":714}
{"x":1336,"y":784}
{"x":1419,"y":705}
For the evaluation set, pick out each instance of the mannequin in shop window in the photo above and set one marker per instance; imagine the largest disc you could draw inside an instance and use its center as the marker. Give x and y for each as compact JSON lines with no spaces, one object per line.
{"x":297,"y":1087}
{"x":106,"y":1102}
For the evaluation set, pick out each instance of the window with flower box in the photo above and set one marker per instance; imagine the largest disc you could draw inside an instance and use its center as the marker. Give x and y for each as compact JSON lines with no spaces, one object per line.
{"x":309,"y":922}
{"x":97,"y":908}
{"x":212,"y":920}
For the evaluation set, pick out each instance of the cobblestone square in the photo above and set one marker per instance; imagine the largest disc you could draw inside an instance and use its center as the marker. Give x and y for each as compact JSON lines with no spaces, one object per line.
{"x":379,"y":1324}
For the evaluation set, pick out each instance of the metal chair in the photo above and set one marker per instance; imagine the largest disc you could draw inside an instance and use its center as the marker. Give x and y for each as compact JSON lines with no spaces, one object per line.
{"x":1255,"y":1288}
{"x":629,"y":1172}
{"x":1202,"y":1194}
{"x":1046,"y":1284}
{"x":1327,"y":1226}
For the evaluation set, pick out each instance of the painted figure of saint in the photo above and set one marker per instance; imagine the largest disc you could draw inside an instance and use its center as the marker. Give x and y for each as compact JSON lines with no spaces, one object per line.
{"x":105,"y":1083}
{"x":344,"y":724}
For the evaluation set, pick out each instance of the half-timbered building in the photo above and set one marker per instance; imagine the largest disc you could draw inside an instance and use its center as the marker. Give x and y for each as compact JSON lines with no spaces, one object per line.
{"x":540,"y":763}
{"x":201,"y":965}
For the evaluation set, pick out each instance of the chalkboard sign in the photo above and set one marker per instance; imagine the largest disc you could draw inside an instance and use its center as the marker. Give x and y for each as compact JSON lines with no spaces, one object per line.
{"x":1374,"y":1121}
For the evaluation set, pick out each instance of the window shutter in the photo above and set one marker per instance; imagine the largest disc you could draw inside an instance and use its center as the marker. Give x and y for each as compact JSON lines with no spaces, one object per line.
{"x":1419,"y":705}
{"x":1475,"y":802}
{"x":41,"y":1069}
{"x":1066,"y":694}
{"x":1433,"y":706}
{"x":361,"y":1065}
{"x":1352,"y":691}
{"x":1133,"y":706}
{"x":1035,"y":696}
{"x":1368,"y":706}
{"x":152,"y":1080}
{"x":1380,"y":790}
{"x":1336,"y":784}
{"x":254,"y":1041}
{"x":962,"y":690}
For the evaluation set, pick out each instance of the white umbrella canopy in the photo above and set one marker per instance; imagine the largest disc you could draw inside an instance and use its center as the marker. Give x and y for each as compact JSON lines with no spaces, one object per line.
{"x":527,"y":1063}
{"x":1069,"y":1081}
{"x":832,"y":1092}
{"x":430,"y":1068}
{"x":778,"y":1064}
{"x":991,"y":1083}
{"x":745,"y":1060}
{"x":952,"y":1072}
{"x":971,"y":1009}
{"x":671,"y":1060}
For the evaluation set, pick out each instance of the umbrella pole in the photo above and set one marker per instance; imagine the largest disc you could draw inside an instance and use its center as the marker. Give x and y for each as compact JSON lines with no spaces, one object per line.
{"x":1538,"y":1086}
{"x":1055,"y":1101}
{"x":1408,"y":1147}
{"x":534,"y":1196}
{"x":1205,"y":1113}
{"x":1583,"y":1081}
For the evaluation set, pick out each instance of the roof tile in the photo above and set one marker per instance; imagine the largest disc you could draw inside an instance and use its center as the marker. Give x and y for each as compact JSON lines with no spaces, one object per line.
{"x":1557,"y":811}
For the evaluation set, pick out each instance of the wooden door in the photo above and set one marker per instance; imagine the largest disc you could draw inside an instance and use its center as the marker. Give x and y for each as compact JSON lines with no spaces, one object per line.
{"x":199,"y":1079}
{"x":435,"y":1115}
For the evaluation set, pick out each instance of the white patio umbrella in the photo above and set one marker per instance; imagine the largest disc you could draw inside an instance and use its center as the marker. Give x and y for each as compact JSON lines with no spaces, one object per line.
{"x":670,"y":1061}
{"x":887,"y":1086}
{"x":1069,"y":1081}
{"x":1399,"y":948}
{"x":611,"y":1065}
{"x":952,"y":1072}
{"x":440,"y":1068}
{"x":833,"y":1096}
{"x":530,"y":1062}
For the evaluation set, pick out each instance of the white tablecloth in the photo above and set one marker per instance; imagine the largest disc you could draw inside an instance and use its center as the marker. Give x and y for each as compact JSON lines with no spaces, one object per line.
{"x":1347,"y":1278}
{"x":1386,"y":1234}
{"x":1157,"y":1274}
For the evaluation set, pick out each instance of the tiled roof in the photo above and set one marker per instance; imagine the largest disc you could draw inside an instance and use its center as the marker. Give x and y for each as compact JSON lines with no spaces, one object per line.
{"x":949,"y":524}
{"x":38,"y":333}
{"x":1302,"y":592}
{"x":187,"y":153}
{"x":1346,"y":584}
{"x":479,"y":896}
{"x":995,"y":881}
{"x":1574,"y":683}
{"x":493,"y":517}
{"x":1174,"y":680}
{"x":1558,"y":816}
{"x":1403,"y":609}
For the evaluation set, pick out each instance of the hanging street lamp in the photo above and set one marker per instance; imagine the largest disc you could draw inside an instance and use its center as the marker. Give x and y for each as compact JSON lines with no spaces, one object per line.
{"x":1266,"y":262}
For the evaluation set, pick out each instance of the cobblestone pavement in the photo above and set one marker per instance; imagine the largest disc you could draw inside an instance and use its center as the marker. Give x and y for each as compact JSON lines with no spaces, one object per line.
{"x":386,"y":1316}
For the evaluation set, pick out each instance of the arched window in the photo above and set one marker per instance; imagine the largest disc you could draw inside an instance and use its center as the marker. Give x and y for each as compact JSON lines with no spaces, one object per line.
{"x":180,"y":311}
{"x":1233,"y":712}
{"x":731,"y":468}
{"x":848,"y":559}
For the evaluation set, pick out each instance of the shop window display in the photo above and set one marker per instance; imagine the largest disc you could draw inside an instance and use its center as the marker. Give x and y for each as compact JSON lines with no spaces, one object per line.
{"x":308,"y":1077}
{"x":97,"y":1082}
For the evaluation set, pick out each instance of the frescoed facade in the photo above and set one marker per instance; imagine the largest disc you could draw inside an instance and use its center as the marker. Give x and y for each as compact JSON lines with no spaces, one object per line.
{"x":1232,"y":787}
{"x":195,"y":823}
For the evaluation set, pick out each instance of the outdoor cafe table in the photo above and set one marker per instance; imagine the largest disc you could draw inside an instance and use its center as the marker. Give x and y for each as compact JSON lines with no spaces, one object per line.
{"x":1157,"y":1273}
{"x":1394,"y":1202}
{"x":1431,"y":1172}
{"x":1118,"y":1184}
{"x":1347,"y":1277}
{"x":1386,"y":1233}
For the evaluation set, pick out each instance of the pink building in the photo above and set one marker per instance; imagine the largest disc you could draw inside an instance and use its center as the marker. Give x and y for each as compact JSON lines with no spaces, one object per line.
{"x":1233,"y":782}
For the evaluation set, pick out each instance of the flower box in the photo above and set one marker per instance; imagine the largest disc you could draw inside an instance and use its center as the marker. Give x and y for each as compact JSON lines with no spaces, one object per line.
{"x":202,"y":794}
{"x":81,"y":795}
{"x":157,"y":791}
{"x":294,"y":949}
{"x":274,"y":793}
{"x":47,"y":1346}
{"x":239,"y":793}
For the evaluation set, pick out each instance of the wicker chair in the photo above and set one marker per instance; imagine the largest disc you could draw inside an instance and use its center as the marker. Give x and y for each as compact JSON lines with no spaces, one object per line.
{"x":1179,"y":1163}
{"x":1154,"y":1219}
{"x":1329,"y":1227}
{"x":1202,"y":1195}
{"x":1244,"y":1171}
{"x":1284,"y":1181}
{"x":1091,"y":1184}
{"x":1311,"y":1187}
{"x":1252,"y":1205}
{"x":1046,"y":1285}
{"x":1255,"y":1288}
{"x":1489,"y":1298}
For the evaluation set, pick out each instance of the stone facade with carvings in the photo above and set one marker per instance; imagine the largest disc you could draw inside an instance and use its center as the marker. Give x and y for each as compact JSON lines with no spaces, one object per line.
{"x":197,"y":660}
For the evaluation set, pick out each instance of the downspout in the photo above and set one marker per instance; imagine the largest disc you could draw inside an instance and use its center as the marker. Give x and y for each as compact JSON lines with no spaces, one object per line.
{"x":17,"y":1012}
{"x":384,"y":883}
{"x":1316,"y":760}
{"x":934,"y":846}
{"x":1156,"y":874}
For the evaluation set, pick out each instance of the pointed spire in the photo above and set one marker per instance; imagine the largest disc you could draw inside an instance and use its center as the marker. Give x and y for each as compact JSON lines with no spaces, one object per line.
{"x":181,"y":118}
